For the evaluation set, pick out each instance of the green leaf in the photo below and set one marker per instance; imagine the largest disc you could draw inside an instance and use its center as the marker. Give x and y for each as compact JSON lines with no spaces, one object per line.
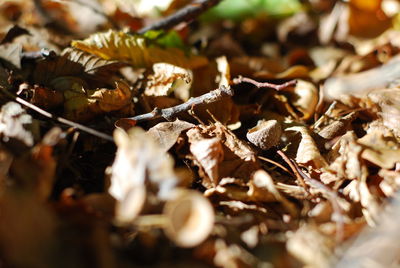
{"x":239,"y":9}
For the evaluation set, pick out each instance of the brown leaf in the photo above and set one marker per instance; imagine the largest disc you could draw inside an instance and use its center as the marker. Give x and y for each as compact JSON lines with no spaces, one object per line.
{"x":308,"y":152}
{"x":167,"y":133}
{"x":140,"y":167}
{"x":237,"y":160}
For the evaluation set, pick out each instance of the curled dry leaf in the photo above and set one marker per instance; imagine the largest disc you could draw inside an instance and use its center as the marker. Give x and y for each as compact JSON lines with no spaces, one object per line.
{"x":308,"y":152}
{"x":305,"y":98}
{"x":55,"y":72}
{"x":208,"y":154}
{"x":167,"y":133}
{"x":81,"y":104}
{"x":11,"y":54}
{"x":338,"y":127}
{"x":234,"y":157}
{"x":169,"y":78}
{"x":380,"y":150}
{"x":190,"y":218}
{"x":140,"y":166}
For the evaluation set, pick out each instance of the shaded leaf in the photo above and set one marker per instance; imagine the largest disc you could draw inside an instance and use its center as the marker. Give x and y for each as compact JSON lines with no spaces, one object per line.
{"x":81,"y":104}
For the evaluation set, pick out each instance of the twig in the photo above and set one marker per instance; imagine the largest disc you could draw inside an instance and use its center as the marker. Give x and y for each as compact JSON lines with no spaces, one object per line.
{"x":331,"y":195}
{"x":60,"y":119}
{"x":171,"y":112}
{"x":242,"y":79}
{"x":186,"y":14}
{"x":275,"y":163}
{"x":293,"y":168}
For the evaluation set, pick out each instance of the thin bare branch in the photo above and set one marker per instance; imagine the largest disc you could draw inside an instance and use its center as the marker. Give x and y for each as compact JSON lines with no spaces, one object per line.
{"x":59,"y":119}
{"x":186,"y":14}
{"x":171,"y":112}
{"x":277,"y":87}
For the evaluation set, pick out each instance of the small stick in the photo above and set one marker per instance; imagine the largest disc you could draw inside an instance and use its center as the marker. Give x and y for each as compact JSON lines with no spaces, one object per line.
{"x":171,"y":112}
{"x":275,"y":163}
{"x":295,"y":171}
{"x":331,"y":195}
{"x":242,"y":79}
{"x":186,"y":14}
{"x":60,"y":119}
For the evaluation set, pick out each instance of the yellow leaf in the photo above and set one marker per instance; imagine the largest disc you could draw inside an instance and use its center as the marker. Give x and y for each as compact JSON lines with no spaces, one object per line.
{"x":121,"y":46}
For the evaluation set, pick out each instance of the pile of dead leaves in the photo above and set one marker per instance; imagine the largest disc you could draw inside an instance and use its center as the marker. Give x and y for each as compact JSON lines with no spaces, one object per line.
{"x":259,"y":134}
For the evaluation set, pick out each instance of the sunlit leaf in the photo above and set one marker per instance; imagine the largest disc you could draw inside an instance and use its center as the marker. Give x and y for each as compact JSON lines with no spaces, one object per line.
{"x":136,"y":49}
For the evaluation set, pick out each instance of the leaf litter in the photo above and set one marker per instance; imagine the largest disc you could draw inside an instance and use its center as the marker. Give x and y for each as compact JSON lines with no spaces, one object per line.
{"x":263,"y":134}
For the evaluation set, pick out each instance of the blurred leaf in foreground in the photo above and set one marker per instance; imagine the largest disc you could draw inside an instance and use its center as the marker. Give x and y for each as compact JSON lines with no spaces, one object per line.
{"x":238,"y":9}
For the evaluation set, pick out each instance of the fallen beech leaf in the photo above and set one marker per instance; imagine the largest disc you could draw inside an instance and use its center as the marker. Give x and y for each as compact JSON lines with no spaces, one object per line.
{"x":337,"y":127}
{"x":81,"y":104}
{"x":380,"y":150}
{"x":74,"y":63}
{"x":389,"y":102}
{"x":209,"y":154}
{"x":308,"y":152}
{"x":140,"y":166}
{"x":168,"y":78}
{"x":167,"y":133}
{"x":224,"y":72}
{"x":261,"y":186}
{"x":135,"y":49}
{"x":237,"y":159}
{"x":305,"y":98}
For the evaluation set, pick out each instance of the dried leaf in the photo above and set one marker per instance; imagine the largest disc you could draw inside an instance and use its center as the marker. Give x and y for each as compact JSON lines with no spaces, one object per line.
{"x":140,"y":167}
{"x":389,"y":102}
{"x":168,"y":78}
{"x":75,"y":63}
{"x":136,"y":50}
{"x":82,"y":105}
{"x":237,"y":158}
{"x":208,"y":154}
{"x":167,"y":133}
{"x":305,"y":98}
{"x":308,"y":152}
{"x":11,"y":54}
